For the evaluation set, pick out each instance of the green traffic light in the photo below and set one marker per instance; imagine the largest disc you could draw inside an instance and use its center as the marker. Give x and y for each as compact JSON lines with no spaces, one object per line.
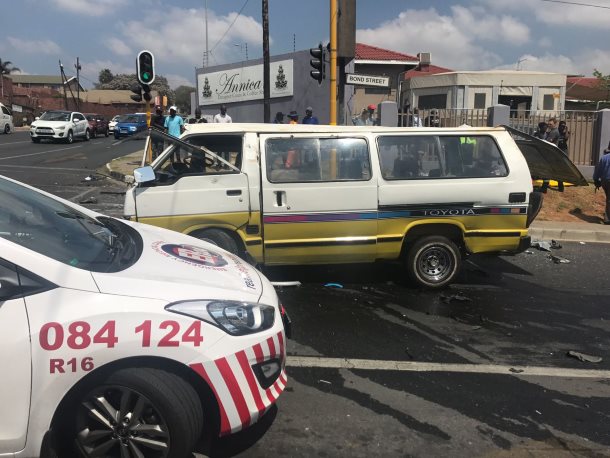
{"x":145,"y":76}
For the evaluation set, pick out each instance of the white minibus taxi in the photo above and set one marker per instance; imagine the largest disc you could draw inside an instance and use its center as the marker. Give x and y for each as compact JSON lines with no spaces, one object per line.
{"x":302,"y":194}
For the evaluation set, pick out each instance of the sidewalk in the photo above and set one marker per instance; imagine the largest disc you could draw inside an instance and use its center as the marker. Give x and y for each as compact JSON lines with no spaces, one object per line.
{"x":122,"y":169}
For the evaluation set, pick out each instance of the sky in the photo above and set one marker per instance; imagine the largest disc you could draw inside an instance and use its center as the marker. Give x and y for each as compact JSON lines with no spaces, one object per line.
{"x":535,"y":35}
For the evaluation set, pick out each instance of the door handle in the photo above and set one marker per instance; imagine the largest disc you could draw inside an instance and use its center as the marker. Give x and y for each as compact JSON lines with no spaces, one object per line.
{"x":233,"y":192}
{"x":280,"y":198}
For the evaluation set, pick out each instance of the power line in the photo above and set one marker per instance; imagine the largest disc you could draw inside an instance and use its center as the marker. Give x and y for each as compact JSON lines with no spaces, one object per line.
{"x":229,"y":28}
{"x":577,"y":4}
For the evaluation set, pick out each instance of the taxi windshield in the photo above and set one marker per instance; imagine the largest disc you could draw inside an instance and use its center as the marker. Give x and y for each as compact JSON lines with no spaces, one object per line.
{"x":50,"y":227}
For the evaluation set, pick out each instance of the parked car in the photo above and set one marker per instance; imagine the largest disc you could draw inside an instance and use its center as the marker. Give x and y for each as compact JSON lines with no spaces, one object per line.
{"x":6,"y":120}
{"x":115,"y":335}
{"x":60,"y":125}
{"x":112,"y":123}
{"x":130,"y":124}
{"x":98,"y":125}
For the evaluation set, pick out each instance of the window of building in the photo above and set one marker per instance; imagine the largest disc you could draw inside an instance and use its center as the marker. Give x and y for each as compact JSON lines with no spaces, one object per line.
{"x":480,"y":99}
{"x":291,"y":160}
{"x":433,"y":157}
{"x":548,"y":102}
{"x":432,"y":101}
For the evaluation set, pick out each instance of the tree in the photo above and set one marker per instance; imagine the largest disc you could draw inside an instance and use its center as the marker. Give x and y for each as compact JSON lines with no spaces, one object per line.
{"x":183,"y":98}
{"x":105,"y":76}
{"x":603,"y":82}
{"x":6,"y":67}
{"x":126,"y":82}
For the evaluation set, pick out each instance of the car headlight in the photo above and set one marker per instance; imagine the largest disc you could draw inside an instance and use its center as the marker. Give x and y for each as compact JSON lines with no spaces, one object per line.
{"x":132,"y":128}
{"x":62,"y":127}
{"x":234,"y":317}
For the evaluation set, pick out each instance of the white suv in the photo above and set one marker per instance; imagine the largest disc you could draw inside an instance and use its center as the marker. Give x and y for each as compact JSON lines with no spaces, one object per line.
{"x":6,"y":120}
{"x":60,"y":125}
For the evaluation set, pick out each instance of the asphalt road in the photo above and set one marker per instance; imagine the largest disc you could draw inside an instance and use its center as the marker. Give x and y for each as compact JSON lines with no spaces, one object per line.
{"x":378,"y":367}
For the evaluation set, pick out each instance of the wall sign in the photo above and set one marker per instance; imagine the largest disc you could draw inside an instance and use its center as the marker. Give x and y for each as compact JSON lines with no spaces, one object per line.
{"x":246,"y":83}
{"x":368,"y":80}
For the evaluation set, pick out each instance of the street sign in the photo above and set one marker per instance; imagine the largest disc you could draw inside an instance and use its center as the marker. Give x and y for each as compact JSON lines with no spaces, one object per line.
{"x":367,"y":80}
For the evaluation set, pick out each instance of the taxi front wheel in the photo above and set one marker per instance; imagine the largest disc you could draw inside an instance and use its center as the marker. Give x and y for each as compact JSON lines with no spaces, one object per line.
{"x":137,"y":412}
{"x":219,"y":238}
{"x":433,"y":261}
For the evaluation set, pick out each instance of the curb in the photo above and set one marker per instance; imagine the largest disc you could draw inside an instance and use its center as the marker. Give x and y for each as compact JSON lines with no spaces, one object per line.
{"x":569,"y":235}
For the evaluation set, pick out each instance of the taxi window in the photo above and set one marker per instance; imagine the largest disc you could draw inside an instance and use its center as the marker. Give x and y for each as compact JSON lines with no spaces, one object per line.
{"x":440,"y":156}
{"x":317,"y":159}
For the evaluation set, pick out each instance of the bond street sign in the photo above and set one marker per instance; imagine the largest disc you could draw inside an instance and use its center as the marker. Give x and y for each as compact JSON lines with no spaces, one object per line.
{"x":368,"y":80}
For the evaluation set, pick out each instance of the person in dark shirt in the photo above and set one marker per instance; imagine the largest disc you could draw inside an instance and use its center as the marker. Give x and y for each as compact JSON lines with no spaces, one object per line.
{"x":601,"y":178}
{"x":157,"y":122}
{"x":279,"y":118}
{"x":309,"y":117}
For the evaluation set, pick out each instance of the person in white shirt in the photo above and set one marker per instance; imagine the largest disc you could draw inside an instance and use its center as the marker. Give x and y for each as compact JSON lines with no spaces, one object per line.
{"x":222,"y":116}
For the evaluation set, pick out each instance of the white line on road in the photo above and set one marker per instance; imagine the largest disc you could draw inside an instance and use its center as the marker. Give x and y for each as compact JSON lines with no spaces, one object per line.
{"x":415,"y":366}
{"x":59,"y":169}
{"x":14,"y":143}
{"x":40,"y":152}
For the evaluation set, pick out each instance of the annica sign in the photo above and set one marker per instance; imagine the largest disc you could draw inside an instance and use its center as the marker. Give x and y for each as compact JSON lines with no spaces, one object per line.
{"x":245,"y":83}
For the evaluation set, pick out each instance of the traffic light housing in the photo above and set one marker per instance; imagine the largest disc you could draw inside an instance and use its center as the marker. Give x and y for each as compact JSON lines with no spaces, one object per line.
{"x":145,"y":64}
{"x":317,"y":63}
{"x":137,"y":93}
{"x":146,"y":94}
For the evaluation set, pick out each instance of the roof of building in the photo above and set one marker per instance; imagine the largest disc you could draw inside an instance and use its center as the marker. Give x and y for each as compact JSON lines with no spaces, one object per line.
{"x":109,"y":97}
{"x":38,"y":79}
{"x":426,"y":70}
{"x":586,"y":88}
{"x":373,"y":53}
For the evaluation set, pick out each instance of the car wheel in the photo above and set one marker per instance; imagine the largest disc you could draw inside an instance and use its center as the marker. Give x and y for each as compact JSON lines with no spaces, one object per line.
{"x":7,"y":129}
{"x":94,"y":133}
{"x":87,"y":135}
{"x":35,"y":140}
{"x":219,"y":238}
{"x":106,"y":133}
{"x":433,"y":261}
{"x":70,"y":137}
{"x":135,"y":412}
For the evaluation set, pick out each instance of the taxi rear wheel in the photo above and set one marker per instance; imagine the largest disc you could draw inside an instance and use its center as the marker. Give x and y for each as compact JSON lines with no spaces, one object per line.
{"x":219,"y":238}
{"x":137,"y":412}
{"x":433,"y":261}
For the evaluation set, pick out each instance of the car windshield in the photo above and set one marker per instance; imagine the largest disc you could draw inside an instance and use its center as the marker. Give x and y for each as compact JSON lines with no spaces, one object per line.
{"x":50,"y":227}
{"x":130,"y":118}
{"x":90,"y":117}
{"x":56,"y":116}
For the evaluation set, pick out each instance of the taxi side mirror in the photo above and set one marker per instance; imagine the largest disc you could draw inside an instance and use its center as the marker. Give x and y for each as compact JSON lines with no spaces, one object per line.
{"x":144,"y":174}
{"x":9,"y":289}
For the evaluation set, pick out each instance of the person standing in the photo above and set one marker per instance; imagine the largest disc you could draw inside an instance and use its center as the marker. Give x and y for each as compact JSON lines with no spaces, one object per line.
{"x":279,"y":118}
{"x":416,"y":120}
{"x":371,"y":121}
{"x":363,"y":119}
{"x":174,"y":125}
{"x":564,"y":135}
{"x":158,"y":122}
{"x":294,"y":117}
{"x":309,"y":117}
{"x":222,"y":117}
{"x":601,"y":178}
{"x":542,"y":131}
{"x":552,"y":135}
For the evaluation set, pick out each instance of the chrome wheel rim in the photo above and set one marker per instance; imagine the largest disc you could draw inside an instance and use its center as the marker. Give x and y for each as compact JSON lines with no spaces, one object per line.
{"x":116,"y":421}
{"x":435,"y":263}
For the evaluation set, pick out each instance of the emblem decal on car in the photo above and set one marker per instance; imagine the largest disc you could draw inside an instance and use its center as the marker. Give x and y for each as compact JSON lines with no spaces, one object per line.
{"x":194,"y":255}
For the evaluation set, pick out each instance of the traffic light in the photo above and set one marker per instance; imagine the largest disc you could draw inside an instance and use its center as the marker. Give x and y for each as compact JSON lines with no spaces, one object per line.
{"x":146,"y":95}
{"x":137,"y":93}
{"x":317,"y":63}
{"x":145,"y":64}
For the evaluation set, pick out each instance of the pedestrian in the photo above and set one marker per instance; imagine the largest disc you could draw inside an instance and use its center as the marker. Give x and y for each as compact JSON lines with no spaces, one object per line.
{"x":198,"y":118}
{"x":541,"y":132}
{"x":309,"y":117}
{"x":371,"y":109}
{"x":552,"y":135}
{"x":564,"y":135}
{"x":294,"y":117}
{"x":222,"y":117}
{"x":363,"y":119}
{"x":416,"y":120}
{"x":157,"y":122}
{"x":601,"y":178}
{"x":432,"y":120}
{"x":174,"y":125}
{"x":279,"y":118}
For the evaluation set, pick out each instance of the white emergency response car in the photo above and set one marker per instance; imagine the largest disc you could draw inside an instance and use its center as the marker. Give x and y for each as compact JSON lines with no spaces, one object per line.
{"x":119,"y":339}
{"x":303,"y":194}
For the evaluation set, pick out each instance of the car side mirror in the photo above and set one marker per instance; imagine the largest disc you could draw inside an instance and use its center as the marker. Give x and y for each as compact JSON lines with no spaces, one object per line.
{"x":8,"y":289}
{"x":36,"y":118}
{"x":144,"y":174}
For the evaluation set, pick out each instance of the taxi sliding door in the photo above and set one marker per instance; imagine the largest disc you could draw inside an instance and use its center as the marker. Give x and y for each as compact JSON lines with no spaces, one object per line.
{"x":319,"y":199}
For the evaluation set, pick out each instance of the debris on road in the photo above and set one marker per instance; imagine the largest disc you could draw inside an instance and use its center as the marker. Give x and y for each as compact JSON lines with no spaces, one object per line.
{"x":559,"y":259}
{"x":584,"y":357}
{"x":286,"y":283}
{"x":542,"y":245}
{"x":333,"y":285}
{"x":90,"y":200}
{"x":555,"y":244}
{"x":455,"y":297}
{"x":516,"y":371}
{"x":325,"y":381}
{"x":528,"y":252}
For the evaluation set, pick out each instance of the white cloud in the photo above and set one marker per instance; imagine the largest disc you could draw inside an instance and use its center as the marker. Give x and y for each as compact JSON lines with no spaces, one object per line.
{"x":90,"y":7}
{"x":34,"y":46}
{"x":583,"y":63}
{"x":178,"y":80}
{"x":118,"y":46}
{"x":179,"y":35}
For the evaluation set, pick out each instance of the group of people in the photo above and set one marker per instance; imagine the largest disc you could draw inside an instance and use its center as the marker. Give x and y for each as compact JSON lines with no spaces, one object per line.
{"x":366,"y":117}
{"x":554,"y":132}
{"x":174,"y":125}
{"x":293,"y":117}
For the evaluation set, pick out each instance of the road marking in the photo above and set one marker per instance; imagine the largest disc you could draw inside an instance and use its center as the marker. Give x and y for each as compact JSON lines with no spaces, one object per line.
{"x":40,"y":152}
{"x":415,"y":366}
{"x":14,"y":143}
{"x":61,"y":169}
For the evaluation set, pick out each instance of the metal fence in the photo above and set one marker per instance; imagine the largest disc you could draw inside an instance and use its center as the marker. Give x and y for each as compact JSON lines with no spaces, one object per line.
{"x":580,"y":125}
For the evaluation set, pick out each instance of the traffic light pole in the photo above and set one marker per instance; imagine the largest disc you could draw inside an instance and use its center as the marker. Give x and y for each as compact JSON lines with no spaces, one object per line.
{"x":333,"y":63}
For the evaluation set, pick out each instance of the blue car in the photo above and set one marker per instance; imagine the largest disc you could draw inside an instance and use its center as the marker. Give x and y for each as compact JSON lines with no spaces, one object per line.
{"x":129,"y":124}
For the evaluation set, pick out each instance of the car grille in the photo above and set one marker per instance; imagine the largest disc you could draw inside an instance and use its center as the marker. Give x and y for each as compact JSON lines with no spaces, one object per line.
{"x":44,"y":131}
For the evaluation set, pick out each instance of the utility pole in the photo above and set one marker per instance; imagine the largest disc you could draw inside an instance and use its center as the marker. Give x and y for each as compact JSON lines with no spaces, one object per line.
{"x":207,"y":61}
{"x":333,"y":63}
{"x":78,"y":68}
{"x":63,"y":83}
{"x":266,"y":70}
